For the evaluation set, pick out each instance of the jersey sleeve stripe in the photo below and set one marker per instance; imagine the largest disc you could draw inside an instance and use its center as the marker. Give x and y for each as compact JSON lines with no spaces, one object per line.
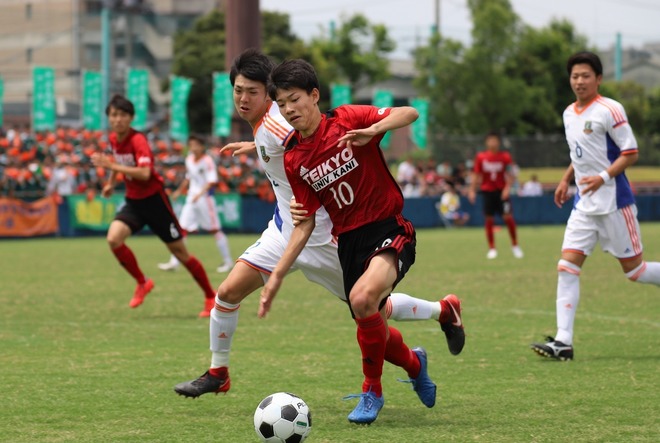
{"x":629,"y":151}
{"x":274,"y":130}
{"x":618,"y":117}
{"x":275,"y":127}
{"x":616,"y":125}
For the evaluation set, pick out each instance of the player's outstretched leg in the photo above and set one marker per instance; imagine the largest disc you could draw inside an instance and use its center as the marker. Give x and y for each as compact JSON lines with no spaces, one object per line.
{"x":553,"y":349}
{"x":451,"y":323}
{"x":211,"y":381}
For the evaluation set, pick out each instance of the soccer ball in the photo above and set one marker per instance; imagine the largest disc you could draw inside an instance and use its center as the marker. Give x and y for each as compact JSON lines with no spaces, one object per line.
{"x":282,"y":418}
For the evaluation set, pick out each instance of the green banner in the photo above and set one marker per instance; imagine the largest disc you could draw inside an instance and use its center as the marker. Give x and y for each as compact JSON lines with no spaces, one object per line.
{"x":92,"y":109}
{"x":179,"y":90}
{"x":97,"y":214}
{"x":223,"y":104}
{"x":384,"y":99}
{"x":43,"y":98}
{"x":421,"y":125}
{"x":137,"y":91}
{"x":340,"y":94}
{"x":2,"y":96}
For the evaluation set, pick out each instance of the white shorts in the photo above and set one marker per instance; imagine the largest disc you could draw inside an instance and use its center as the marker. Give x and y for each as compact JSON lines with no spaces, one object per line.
{"x":618,"y":233}
{"x":202,"y":214}
{"x":319,"y":264}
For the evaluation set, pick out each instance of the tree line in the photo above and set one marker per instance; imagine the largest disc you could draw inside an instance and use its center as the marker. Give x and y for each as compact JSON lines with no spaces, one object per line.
{"x":512,"y":77}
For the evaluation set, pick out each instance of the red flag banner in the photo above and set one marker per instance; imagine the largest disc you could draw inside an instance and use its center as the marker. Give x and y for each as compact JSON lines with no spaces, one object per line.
{"x":27,"y":219}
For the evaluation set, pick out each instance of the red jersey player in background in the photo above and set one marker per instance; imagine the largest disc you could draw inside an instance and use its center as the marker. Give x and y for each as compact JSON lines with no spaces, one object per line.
{"x":334,"y":160}
{"x":146,"y":203}
{"x":491,"y":173}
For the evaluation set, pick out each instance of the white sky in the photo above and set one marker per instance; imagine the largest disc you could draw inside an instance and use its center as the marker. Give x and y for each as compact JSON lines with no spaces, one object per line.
{"x":410,"y":21}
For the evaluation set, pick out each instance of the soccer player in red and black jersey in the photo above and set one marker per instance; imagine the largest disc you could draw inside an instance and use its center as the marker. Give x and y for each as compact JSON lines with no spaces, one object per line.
{"x":146,"y":203}
{"x":334,"y":160}
{"x":492,"y":174}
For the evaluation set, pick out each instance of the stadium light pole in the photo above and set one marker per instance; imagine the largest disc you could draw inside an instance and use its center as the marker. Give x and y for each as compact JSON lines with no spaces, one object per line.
{"x":105,"y":58}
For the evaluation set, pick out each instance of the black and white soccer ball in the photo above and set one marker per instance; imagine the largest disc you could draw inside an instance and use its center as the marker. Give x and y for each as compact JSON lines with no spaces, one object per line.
{"x":282,"y":418}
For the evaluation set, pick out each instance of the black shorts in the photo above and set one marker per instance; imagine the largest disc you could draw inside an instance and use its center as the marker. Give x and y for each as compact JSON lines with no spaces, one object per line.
{"x":359,"y":246}
{"x":493,"y":203}
{"x":154,"y":211}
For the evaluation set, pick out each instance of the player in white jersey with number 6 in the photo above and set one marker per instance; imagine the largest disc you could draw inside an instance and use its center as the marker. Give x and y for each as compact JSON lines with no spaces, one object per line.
{"x":319,"y":261}
{"x":602,"y":146}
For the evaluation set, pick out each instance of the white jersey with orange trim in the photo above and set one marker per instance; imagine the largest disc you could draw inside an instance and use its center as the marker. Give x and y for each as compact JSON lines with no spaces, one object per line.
{"x":269,"y":136}
{"x":200,"y":173}
{"x":597,"y":135}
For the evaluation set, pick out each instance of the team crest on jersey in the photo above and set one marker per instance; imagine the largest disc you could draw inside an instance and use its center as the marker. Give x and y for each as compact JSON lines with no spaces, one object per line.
{"x":265,"y":157}
{"x":330,"y":170}
{"x":587,"y":128}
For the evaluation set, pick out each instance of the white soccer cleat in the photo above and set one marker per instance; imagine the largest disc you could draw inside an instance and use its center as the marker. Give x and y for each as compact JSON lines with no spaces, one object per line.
{"x":492,"y":253}
{"x":169,"y":266}
{"x":225,"y":268}
{"x":517,"y":252}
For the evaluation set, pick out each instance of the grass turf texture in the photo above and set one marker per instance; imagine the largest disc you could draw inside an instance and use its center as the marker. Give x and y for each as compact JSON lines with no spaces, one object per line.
{"x":79,"y":365}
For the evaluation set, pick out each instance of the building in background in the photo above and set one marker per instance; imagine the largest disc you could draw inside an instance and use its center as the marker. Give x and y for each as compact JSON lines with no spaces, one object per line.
{"x":66,"y":35}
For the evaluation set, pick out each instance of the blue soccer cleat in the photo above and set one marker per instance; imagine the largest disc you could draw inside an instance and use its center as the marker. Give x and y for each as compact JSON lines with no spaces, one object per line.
{"x":423,"y":385}
{"x":367,"y":409}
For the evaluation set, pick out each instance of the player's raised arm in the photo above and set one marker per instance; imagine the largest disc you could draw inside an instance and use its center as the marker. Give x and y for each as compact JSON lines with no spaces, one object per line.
{"x":398,"y":118}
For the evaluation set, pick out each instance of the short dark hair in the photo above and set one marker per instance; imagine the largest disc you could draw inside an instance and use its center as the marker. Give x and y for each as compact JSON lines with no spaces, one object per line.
{"x":251,"y":64}
{"x":292,"y":74}
{"x":120,"y":102}
{"x":494,"y":133}
{"x":197,"y":137}
{"x":587,"y":58}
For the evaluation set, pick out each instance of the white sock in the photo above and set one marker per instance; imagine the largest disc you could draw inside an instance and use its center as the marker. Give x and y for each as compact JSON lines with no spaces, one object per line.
{"x":568,"y":297}
{"x":647,"y":272}
{"x":223,"y":246}
{"x":173,"y":260}
{"x":221,"y":331}
{"x":403,"y":307}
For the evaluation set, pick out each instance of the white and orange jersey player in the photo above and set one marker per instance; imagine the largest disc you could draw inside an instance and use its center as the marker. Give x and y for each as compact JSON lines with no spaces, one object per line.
{"x":597,"y":135}
{"x":319,"y":261}
{"x":200,"y":210}
{"x":602,"y":146}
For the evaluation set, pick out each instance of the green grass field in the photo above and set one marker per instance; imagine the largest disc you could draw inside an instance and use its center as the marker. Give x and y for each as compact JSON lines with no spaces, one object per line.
{"x":553,"y":175}
{"x":78,"y":365}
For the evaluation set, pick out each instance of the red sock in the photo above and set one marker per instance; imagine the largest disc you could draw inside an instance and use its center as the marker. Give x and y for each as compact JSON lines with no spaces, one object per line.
{"x":397,"y":353}
{"x":372,"y":336}
{"x":127,"y":259}
{"x":490,"y":225}
{"x":197,"y":270}
{"x":511,"y":224}
{"x":221,"y":372}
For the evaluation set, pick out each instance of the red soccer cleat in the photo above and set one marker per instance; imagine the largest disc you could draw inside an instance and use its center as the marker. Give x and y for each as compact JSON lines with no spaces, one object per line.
{"x":453,"y":324}
{"x":141,"y":291}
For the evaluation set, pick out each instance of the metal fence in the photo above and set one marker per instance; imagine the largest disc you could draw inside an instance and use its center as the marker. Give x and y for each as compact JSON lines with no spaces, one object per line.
{"x":530,"y":152}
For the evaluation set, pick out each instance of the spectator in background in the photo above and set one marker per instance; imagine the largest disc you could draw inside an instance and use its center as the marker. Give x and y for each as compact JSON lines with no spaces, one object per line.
{"x":449,"y":206}
{"x":62,"y":181}
{"x":532,"y":188}
{"x":409,"y":178}
{"x":459,"y":177}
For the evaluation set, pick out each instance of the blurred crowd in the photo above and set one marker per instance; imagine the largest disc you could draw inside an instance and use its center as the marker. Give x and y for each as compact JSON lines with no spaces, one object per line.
{"x":58,"y":162}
